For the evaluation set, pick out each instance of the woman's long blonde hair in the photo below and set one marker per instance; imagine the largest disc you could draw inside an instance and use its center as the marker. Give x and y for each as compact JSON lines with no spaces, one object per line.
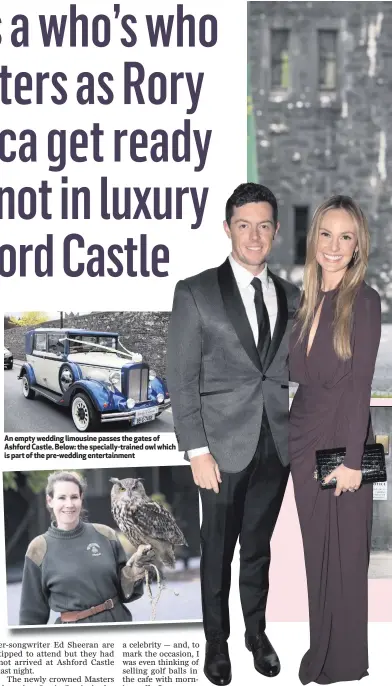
{"x":350,"y":283}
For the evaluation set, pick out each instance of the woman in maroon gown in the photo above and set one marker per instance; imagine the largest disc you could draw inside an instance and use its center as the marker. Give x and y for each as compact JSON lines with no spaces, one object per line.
{"x":333,"y":350}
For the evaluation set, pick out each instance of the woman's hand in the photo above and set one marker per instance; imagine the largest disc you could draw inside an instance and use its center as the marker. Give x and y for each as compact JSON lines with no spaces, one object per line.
{"x":346,"y":479}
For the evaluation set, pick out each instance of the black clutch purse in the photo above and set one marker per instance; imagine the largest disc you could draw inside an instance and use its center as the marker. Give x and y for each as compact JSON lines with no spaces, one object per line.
{"x":372,"y":467}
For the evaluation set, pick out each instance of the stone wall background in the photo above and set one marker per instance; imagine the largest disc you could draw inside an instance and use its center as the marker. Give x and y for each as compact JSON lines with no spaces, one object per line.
{"x":311,"y":144}
{"x":140,"y":332}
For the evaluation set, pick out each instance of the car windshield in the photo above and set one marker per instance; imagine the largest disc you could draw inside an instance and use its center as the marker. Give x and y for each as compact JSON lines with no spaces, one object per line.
{"x":86,"y":344}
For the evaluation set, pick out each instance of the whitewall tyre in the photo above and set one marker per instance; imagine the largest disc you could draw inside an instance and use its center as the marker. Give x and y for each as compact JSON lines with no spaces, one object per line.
{"x":84,"y":415}
{"x":26,"y":390}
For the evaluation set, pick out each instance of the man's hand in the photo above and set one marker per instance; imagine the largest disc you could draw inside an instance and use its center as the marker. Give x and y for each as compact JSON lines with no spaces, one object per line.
{"x":206,"y":472}
{"x":346,"y":479}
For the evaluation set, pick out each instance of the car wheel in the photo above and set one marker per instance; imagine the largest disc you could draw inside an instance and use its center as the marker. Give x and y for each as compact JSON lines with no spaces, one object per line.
{"x":26,"y":390}
{"x":10,"y":365}
{"x":66,"y":378}
{"x":84,"y":415}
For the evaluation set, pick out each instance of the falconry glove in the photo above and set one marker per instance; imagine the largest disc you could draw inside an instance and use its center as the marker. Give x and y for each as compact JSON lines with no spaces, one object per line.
{"x":138,"y":563}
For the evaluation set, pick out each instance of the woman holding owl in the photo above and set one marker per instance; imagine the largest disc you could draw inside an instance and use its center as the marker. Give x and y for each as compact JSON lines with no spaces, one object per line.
{"x":78,"y":569}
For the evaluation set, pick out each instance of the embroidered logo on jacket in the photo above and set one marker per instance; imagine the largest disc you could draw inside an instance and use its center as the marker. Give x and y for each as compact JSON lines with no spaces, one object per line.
{"x":94,"y":548}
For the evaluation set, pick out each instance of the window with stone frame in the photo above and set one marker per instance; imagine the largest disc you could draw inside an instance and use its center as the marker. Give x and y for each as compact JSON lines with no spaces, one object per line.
{"x":327,"y":59}
{"x":301,"y":222}
{"x":280,"y":72}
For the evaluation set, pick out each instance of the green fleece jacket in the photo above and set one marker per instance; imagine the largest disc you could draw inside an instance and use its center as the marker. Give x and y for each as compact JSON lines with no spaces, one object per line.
{"x":76,"y":570}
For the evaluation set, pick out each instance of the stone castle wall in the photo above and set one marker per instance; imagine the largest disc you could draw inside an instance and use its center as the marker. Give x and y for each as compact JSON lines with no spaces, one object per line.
{"x":313,"y":144}
{"x":140,"y":332}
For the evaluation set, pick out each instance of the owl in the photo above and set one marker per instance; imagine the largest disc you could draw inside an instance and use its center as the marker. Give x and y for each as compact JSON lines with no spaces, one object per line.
{"x":143,"y":521}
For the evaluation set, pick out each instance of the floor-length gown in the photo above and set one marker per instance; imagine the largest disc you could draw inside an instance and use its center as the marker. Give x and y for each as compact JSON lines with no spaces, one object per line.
{"x":331,"y":409}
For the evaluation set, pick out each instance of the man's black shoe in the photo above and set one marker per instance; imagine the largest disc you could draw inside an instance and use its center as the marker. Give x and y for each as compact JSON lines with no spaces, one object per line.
{"x":266,"y":660}
{"x":217,"y":667}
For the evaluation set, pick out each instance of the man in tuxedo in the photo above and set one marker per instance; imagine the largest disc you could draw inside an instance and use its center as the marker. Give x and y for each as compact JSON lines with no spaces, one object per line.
{"x":228,"y":382}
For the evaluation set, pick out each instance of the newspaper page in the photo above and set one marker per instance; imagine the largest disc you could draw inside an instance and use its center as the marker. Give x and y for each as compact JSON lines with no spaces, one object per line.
{"x":152,"y":532}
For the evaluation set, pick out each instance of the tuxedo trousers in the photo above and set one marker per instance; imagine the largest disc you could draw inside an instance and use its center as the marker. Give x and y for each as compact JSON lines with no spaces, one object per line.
{"x":246,"y":508}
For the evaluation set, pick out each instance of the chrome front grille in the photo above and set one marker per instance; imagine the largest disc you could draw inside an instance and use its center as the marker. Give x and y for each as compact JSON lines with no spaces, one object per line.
{"x":134,"y":384}
{"x":138,"y":383}
{"x":144,"y":384}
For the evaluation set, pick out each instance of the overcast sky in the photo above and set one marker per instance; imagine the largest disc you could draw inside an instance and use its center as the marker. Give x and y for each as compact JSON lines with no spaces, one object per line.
{"x":51,"y":315}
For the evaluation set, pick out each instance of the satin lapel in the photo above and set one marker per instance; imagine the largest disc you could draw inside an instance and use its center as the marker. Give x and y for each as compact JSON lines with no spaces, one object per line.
{"x":236,"y":311}
{"x":281,"y":320}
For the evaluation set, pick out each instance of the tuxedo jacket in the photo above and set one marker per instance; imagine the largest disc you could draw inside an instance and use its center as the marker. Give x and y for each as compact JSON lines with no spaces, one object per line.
{"x":217,"y":385}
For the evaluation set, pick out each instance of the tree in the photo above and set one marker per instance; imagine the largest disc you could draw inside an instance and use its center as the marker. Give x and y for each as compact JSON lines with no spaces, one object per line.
{"x":35,"y":481}
{"x":30,"y":319}
{"x":8,"y":324}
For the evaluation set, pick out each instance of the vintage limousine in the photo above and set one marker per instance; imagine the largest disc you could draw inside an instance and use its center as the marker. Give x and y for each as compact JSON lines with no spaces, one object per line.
{"x":89,"y":373}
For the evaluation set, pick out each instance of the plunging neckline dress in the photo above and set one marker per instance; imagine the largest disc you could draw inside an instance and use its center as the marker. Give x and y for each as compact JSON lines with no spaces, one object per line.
{"x":330,"y":410}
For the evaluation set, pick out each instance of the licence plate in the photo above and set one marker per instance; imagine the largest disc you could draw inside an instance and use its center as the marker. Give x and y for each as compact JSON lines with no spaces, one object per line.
{"x":144,"y":415}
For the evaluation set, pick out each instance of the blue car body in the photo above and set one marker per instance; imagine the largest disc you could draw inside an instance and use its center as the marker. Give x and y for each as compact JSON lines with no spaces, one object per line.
{"x":86,"y":371}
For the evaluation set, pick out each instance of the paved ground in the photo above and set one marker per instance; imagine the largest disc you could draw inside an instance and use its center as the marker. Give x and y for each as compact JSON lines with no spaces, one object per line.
{"x":180,"y":600}
{"x":381,"y":565}
{"x":41,"y":414}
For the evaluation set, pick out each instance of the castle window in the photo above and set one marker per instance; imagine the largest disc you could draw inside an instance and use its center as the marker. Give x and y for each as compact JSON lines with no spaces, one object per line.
{"x":301,"y":219}
{"x":327,"y":57}
{"x":280,"y":59}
